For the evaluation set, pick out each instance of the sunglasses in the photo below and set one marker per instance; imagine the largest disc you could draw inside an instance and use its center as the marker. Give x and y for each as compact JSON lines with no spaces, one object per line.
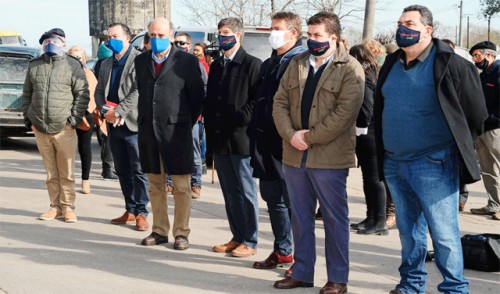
{"x":182,"y":43}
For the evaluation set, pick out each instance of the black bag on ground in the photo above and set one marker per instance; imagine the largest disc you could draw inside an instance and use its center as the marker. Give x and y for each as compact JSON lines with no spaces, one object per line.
{"x":481,"y":252}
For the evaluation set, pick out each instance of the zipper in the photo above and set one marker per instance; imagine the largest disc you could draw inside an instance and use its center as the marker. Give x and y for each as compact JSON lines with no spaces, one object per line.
{"x":47,"y":94}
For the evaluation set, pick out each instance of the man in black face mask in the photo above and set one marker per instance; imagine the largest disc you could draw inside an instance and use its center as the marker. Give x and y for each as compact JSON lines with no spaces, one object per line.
{"x":315,"y":110}
{"x":232,"y":90}
{"x":425,"y":123}
{"x":488,"y":144}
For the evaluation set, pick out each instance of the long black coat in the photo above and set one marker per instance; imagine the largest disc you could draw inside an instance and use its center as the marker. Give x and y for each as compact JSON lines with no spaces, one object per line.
{"x":168,"y":108}
{"x":461,"y":98}
{"x":231,"y":95}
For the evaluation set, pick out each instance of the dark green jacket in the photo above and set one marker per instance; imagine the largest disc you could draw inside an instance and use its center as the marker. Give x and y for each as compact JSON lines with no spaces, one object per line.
{"x":55,"y":93}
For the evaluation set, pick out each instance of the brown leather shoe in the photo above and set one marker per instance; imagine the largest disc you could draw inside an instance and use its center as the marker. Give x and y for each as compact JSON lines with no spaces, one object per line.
{"x":196,"y":192}
{"x":243,"y":251}
{"x":225,"y":248}
{"x":461,"y":206}
{"x":396,"y":291}
{"x":391,"y":222}
{"x":141,"y":223}
{"x":273,"y":260}
{"x":333,"y":288}
{"x":154,"y":239}
{"x":181,"y":243}
{"x":290,"y":283}
{"x":127,"y":217}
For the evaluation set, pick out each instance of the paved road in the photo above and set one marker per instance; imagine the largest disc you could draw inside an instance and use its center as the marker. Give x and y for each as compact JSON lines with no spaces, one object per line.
{"x":93,"y":255}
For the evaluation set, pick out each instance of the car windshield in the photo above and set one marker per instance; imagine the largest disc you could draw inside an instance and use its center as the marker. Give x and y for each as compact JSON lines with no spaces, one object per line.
{"x":13,"y":69}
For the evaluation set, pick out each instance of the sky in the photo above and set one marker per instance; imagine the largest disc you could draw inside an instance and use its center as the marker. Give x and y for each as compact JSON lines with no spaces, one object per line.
{"x":33,"y":17}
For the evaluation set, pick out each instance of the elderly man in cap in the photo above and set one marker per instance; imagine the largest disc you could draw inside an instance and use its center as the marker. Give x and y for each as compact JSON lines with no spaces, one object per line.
{"x":55,"y":97}
{"x":488,"y":144}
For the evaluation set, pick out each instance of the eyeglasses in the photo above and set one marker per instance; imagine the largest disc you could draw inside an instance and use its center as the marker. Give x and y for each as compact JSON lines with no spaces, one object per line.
{"x":181,"y":43}
{"x":477,"y":55}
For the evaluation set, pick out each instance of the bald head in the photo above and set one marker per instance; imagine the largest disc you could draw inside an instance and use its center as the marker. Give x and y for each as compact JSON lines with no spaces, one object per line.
{"x":160,"y":28}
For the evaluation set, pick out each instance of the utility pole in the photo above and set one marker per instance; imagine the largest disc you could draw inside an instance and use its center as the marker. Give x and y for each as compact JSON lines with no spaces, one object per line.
{"x":460,"y":24}
{"x":273,"y":7}
{"x":369,"y":19}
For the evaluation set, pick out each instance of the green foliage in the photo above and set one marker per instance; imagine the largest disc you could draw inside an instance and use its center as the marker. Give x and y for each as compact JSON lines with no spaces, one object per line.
{"x":490,"y":8}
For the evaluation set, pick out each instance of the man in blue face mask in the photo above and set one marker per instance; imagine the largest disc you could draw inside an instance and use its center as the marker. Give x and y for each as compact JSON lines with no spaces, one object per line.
{"x":170,"y":98}
{"x":116,"y":86}
{"x":231,"y":94}
{"x":425,"y":123}
{"x":315,"y":109}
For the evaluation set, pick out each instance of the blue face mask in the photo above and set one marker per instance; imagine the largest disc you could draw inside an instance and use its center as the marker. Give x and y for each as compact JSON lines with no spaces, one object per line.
{"x":159,"y":45}
{"x":227,"y":42}
{"x":406,"y":37}
{"x":52,"y":49}
{"x":317,"y":48}
{"x":115,"y":45}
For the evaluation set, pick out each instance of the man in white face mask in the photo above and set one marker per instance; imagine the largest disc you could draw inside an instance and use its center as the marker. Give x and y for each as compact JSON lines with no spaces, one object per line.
{"x":265,"y":142}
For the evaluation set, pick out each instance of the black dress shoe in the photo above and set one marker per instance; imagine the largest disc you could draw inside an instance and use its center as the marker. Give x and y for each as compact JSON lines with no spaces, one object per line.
{"x":333,"y":288}
{"x":396,"y":291}
{"x":108,"y":175}
{"x":154,"y":239}
{"x":379,"y":228}
{"x":290,"y":283}
{"x":181,"y":243}
{"x":359,"y":226}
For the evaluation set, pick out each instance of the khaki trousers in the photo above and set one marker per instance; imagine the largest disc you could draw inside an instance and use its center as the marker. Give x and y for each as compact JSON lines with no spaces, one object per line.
{"x":159,"y":205}
{"x":58,"y":153}
{"x":488,"y":151}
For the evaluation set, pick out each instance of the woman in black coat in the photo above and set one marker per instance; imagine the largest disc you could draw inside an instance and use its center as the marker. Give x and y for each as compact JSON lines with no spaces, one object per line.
{"x":374,"y":189}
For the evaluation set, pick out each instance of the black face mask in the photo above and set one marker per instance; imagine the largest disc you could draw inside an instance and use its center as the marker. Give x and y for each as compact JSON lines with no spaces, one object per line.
{"x":483,"y":64}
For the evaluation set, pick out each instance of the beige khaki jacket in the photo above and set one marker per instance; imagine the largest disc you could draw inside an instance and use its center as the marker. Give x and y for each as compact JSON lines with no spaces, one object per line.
{"x":335,"y":107}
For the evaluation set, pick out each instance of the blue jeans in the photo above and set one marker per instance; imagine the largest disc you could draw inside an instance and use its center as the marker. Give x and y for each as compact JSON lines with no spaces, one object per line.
{"x":306,"y":186}
{"x":425,"y":193}
{"x":196,"y":176}
{"x":276,"y":196}
{"x":133,"y":182}
{"x":240,"y":197}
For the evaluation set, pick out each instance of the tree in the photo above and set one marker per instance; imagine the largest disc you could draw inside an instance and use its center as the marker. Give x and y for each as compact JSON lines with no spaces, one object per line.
{"x":490,"y":8}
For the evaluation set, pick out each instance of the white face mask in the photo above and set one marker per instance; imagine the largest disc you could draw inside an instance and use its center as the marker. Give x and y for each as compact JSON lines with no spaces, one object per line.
{"x":277,"y":39}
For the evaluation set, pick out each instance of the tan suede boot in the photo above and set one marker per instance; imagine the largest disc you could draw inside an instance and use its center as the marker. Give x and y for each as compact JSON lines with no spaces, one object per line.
{"x":85,"y":186}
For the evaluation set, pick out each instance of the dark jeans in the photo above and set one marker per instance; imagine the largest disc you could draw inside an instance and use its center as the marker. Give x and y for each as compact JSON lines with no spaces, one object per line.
{"x":203,"y":141}
{"x":373,"y":188}
{"x":240,"y":197}
{"x":276,"y":196}
{"x":85,"y":146}
{"x":133,"y":182}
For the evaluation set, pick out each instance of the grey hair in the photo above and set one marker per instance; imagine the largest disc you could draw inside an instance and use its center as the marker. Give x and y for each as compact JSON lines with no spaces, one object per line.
{"x":492,"y":52}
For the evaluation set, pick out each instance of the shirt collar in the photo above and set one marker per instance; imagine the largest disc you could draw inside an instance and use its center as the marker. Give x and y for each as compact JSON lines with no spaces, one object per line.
{"x":312,"y":61}
{"x":422,"y":57}
{"x":158,"y":60}
{"x":231,"y":57}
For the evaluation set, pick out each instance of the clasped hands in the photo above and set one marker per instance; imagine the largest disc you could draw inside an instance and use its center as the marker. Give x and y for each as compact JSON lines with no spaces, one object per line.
{"x":298,"y":140}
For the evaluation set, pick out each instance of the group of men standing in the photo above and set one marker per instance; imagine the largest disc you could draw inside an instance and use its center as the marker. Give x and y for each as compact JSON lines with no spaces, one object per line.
{"x":290,"y":122}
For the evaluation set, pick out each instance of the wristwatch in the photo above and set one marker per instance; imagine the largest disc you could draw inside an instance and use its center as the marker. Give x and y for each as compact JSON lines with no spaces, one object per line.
{"x":117,"y":115}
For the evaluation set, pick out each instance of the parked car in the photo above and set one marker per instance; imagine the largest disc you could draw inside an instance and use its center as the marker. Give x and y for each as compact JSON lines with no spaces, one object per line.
{"x":13,"y":67}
